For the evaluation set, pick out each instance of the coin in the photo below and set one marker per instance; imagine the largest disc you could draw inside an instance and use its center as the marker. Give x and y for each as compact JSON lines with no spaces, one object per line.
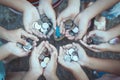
{"x":43,"y":64}
{"x":43,"y":30}
{"x":67,"y":58}
{"x":46,"y":59}
{"x":70,"y":51}
{"x":45,"y":26}
{"x":75,"y":29}
{"x":75,"y":58}
{"x":27,"y":47}
{"x":37,"y":26}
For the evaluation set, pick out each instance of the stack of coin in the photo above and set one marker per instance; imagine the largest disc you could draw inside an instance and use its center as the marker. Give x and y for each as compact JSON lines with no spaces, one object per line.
{"x":44,"y":25}
{"x":28,"y":46}
{"x":45,"y":62}
{"x":71,"y":55}
{"x":44,"y":58}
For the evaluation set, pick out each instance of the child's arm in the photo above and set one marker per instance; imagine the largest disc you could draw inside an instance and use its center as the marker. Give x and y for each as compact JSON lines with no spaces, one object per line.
{"x":20,"y":5}
{"x":3,"y":52}
{"x":86,"y":15}
{"x":3,"y":32}
{"x":11,"y":48}
{"x":115,"y":31}
{"x":106,"y":65}
{"x":98,"y":7}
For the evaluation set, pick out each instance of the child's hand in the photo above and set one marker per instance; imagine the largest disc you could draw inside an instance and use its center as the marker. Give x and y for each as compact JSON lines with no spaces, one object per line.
{"x":98,"y":48}
{"x":15,"y":36}
{"x":69,"y":13}
{"x":13,"y":49}
{"x":104,"y":35}
{"x":45,"y":7}
{"x":50,"y":70}
{"x":34,"y":60}
{"x":72,"y":66}
{"x":83,"y":22}
{"x":29,"y":16}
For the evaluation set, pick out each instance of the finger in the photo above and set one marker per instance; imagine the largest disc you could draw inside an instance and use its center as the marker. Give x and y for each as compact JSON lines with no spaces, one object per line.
{"x":27,"y":28}
{"x":50,"y":33}
{"x":85,"y":39}
{"x":41,"y":45}
{"x":61,"y":52}
{"x":22,"y":41}
{"x":69,"y":36}
{"x":68,"y":46}
{"x":29,"y":36}
{"x":91,"y":33}
{"x":54,"y":22}
{"x":87,"y":46}
{"x":37,"y":33}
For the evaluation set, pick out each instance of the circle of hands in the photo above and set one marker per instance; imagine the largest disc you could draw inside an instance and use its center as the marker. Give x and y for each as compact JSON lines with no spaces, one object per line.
{"x":57,"y":56}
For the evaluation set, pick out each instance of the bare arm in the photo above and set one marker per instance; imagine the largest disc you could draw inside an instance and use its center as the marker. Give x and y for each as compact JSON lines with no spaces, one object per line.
{"x":20,"y":5}
{"x":115,"y":31}
{"x":98,"y":7}
{"x":3,"y":52}
{"x":107,"y":65}
{"x":3,"y":32}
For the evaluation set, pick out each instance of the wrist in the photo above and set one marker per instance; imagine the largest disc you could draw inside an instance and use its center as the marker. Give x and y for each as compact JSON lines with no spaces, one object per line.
{"x":51,"y":77}
{"x":3,"y":33}
{"x":35,"y":73}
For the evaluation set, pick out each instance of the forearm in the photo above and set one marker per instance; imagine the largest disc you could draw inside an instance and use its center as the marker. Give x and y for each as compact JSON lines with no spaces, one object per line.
{"x":3,"y":52}
{"x":20,"y":5}
{"x":115,"y":48}
{"x":106,"y":65}
{"x":52,"y":77}
{"x":3,"y":32}
{"x":75,"y":4}
{"x":98,"y":7}
{"x":30,"y":76}
{"x":80,"y":74}
{"x":115,"y":31}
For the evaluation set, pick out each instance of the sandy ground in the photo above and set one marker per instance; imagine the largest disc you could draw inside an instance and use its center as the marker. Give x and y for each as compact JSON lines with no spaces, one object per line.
{"x":10,"y":20}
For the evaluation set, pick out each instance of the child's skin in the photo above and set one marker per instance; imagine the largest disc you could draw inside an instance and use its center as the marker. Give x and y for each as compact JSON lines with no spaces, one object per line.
{"x":73,"y":67}
{"x":85,"y":16}
{"x":68,"y":13}
{"x":30,"y":13}
{"x":11,"y":49}
{"x":15,"y":35}
{"x":35,"y":68}
{"x":106,"y":65}
{"x":45,"y":6}
{"x":106,"y":36}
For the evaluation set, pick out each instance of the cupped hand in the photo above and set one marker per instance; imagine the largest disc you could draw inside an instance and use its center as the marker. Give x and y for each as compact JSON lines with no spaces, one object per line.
{"x":16,"y":36}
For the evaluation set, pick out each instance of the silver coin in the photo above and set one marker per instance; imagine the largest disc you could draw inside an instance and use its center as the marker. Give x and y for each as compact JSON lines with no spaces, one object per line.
{"x":37,"y":26}
{"x":67,"y":58}
{"x":27,"y":47}
{"x":45,"y":26}
{"x":44,"y":31}
{"x":46,"y":59}
{"x":75,"y":30}
{"x":70,"y":51}
{"x":75,"y":58}
{"x":43,"y":64}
